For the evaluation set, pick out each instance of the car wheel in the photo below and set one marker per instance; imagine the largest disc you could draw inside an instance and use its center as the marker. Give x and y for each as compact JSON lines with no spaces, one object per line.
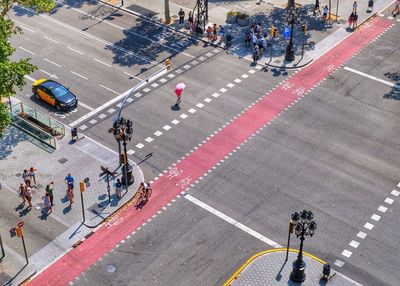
{"x":37,"y":95}
{"x":58,"y":107}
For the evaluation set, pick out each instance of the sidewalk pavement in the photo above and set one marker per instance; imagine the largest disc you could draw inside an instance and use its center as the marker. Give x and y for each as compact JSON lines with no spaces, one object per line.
{"x":269,"y":268}
{"x":320,"y":38}
{"x":63,"y":228}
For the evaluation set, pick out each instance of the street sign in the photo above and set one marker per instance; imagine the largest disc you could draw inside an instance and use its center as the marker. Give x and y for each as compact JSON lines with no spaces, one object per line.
{"x":87,"y":182}
{"x":286,"y":33}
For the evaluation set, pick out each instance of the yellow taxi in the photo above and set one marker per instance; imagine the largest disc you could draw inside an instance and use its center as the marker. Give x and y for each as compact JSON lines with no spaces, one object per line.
{"x":54,"y":94}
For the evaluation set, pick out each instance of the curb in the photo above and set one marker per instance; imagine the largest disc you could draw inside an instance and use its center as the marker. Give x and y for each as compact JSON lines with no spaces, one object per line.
{"x":28,"y":278}
{"x":237,"y":273}
{"x":158,"y":23}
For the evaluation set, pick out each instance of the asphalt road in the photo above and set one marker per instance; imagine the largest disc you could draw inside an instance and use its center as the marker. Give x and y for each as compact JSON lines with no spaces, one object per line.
{"x":334,"y":152}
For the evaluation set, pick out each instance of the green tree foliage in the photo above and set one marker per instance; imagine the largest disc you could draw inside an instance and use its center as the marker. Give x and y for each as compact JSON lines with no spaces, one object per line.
{"x":12,"y":72}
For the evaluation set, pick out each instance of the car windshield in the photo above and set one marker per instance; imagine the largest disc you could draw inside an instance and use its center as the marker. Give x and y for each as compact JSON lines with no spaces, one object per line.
{"x":58,"y":91}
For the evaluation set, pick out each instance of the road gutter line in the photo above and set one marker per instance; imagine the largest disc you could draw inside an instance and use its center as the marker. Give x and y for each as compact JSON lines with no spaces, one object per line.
{"x":232,"y":221}
{"x":391,"y":84}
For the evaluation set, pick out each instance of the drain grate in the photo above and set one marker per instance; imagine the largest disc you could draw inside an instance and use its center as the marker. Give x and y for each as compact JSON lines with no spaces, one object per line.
{"x":18,"y":175}
{"x":111,"y":268}
{"x":62,"y":160}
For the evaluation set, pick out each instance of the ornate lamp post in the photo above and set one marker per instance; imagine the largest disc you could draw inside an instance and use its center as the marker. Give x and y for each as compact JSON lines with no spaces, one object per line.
{"x":304,"y":225}
{"x":292,"y":17}
{"x":122,"y":131}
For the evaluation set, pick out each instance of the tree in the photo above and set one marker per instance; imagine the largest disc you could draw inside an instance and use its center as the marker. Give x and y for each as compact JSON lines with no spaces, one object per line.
{"x":167,"y":12}
{"x":13,"y":72}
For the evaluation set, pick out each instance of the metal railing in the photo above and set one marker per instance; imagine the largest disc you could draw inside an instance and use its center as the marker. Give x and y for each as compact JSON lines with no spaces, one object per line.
{"x":46,"y":128}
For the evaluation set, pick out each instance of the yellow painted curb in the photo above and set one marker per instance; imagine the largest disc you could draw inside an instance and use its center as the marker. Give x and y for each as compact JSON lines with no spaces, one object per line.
{"x":233,"y":277}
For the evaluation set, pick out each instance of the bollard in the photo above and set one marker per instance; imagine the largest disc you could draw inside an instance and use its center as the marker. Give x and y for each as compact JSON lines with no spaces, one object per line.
{"x":74,"y":134}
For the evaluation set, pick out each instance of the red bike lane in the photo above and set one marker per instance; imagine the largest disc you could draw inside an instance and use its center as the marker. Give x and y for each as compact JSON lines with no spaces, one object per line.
{"x":187,"y":171}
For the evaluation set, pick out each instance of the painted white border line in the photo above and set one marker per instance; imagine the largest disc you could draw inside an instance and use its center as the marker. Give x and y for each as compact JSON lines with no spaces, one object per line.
{"x":118,"y":98}
{"x":232,"y":221}
{"x":391,"y":84}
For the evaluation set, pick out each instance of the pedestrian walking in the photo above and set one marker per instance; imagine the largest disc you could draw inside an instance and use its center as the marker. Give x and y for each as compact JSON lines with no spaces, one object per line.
{"x":355,"y":6}
{"x":209,"y":33}
{"x":178,"y":91}
{"x":118,"y":188}
{"x":350,"y":20}
{"x":325,"y":13}
{"x":190,"y":20}
{"x":355,"y":18}
{"x":316,"y":8}
{"x":47,"y":203}
{"x":256,"y":53}
{"x":32,"y":174}
{"x":49,"y":191}
{"x":247,"y":39}
{"x":181,"y":15}
{"x":396,"y":10}
{"x":26,"y":177}
{"x":22,"y":193}
{"x":70,"y":195}
{"x":222,"y":33}
{"x":215,"y":32}
{"x":254,"y":39}
{"x":69,"y":180}
{"x":28,"y":196}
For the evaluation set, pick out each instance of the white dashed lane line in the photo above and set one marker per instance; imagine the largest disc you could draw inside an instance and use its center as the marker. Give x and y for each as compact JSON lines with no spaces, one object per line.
{"x":109,"y":89}
{"x":47,"y":60}
{"x":26,"y":28}
{"x":77,"y":74}
{"x":99,"y":61}
{"x":50,"y":39}
{"x":75,"y":50}
{"x":391,"y":84}
{"x":45,"y":72}
{"x":85,"y":105}
{"x":26,"y":50}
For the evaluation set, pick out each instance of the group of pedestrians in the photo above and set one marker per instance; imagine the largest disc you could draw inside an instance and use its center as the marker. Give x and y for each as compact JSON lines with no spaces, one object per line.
{"x":317,"y":10}
{"x":255,"y":38}
{"x":353,"y":18}
{"x":25,"y":189}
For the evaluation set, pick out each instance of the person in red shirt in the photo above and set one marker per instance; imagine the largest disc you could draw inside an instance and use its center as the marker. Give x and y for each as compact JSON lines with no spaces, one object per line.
{"x":178,"y":93}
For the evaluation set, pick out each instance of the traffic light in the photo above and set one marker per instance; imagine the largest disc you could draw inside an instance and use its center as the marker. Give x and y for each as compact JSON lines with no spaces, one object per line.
{"x":304,"y":28}
{"x":82,"y":186}
{"x":291,"y":226}
{"x":19,"y":231}
{"x":274,"y":31}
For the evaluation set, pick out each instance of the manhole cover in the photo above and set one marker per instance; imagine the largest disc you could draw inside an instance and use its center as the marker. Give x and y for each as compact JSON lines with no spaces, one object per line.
{"x":39,"y":206}
{"x":111,"y":268}
{"x":18,"y":175}
{"x":63,"y":160}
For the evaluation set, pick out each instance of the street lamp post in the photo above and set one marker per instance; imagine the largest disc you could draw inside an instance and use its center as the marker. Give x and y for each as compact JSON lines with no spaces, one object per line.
{"x":304,"y":225}
{"x":292,"y":17}
{"x":122,"y":131}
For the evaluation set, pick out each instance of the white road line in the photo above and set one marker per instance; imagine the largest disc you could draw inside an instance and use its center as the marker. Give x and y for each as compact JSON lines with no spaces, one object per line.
{"x":361,"y":235}
{"x":47,"y":60}
{"x":354,"y":244}
{"x":81,"y":76}
{"x":91,"y":36}
{"x":369,"y":226}
{"x":26,"y":50}
{"x":395,"y":193}
{"x":85,"y":105}
{"x":232,"y":221}
{"x":373,"y":77}
{"x":382,"y":209}
{"x":50,"y":39}
{"x":117,"y":98}
{"x":45,"y":72}
{"x":131,"y":75}
{"x":347,"y":253}
{"x":76,"y":51}
{"x":25,"y":28}
{"x":126,"y":30}
{"x":109,"y":89}
{"x":30,"y":78}
{"x":99,"y":61}
{"x":376,"y":217}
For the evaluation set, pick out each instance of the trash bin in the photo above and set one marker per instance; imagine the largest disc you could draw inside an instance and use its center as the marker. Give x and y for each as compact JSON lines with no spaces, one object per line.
{"x":228,"y":39}
{"x":131,"y":179}
{"x":74,"y":133}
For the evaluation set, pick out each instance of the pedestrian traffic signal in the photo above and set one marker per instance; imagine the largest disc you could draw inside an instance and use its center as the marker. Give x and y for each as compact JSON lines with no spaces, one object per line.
{"x":274,"y":32}
{"x":304,"y":28}
{"x":291,"y":226}
{"x":19,"y":231}
{"x":82,"y":186}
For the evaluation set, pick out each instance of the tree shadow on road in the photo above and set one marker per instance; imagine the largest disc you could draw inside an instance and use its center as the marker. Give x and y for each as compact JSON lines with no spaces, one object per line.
{"x":11,"y":138}
{"x":395,"y":92}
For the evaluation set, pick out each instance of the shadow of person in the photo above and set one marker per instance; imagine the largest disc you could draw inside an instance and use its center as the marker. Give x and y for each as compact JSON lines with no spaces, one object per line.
{"x":175,"y":107}
{"x":24,"y":212}
{"x":19,"y":207}
{"x":141,"y":204}
{"x":64,"y":199}
{"x":44,"y":214}
{"x":67,"y":209}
